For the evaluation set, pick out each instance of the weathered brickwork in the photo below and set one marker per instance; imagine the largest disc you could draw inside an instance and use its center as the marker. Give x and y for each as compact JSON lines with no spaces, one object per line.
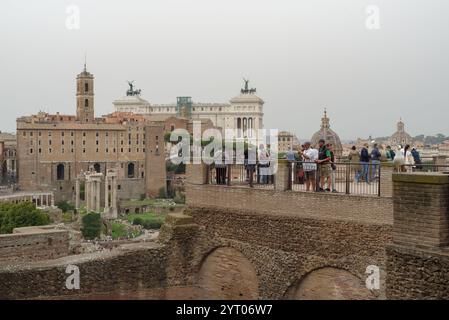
{"x":322,"y":205}
{"x":35,"y":244}
{"x":418,"y":259}
{"x":283,"y":249}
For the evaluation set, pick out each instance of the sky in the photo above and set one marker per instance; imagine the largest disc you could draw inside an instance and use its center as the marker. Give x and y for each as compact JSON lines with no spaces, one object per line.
{"x":368,"y":62}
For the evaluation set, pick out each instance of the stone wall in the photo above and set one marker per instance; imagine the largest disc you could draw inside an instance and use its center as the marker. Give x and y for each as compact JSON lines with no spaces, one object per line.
{"x":418,"y":259}
{"x":284,"y":249}
{"x":33,"y":244}
{"x":323,"y":205}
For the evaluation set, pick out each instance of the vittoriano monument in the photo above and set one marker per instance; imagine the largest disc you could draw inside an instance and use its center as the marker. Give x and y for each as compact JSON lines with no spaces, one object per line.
{"x":131,"y":91}
{"x":247,"y":90}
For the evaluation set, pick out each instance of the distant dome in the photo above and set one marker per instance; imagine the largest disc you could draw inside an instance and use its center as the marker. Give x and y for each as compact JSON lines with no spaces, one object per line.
{"x":400,"y":136}
{"x":328,"y":135}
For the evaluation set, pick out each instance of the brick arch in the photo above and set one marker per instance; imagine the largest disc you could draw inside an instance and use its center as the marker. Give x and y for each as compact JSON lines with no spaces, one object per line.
{"x":329,"y":283}
{"x":226,"y":273}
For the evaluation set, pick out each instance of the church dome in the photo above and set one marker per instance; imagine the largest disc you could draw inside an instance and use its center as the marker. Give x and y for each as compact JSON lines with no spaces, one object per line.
{"x":328,"y":135}
{"x":400,"y":136}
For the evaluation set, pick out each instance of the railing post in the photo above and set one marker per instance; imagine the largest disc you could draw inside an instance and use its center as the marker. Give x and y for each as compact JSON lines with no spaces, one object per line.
{"x":348,"y":176}
{"x":281,"y":180}
{"x":378,"y":180}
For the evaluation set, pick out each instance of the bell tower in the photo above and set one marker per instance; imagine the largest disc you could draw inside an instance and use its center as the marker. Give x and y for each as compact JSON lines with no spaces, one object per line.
{"x":85,"y":96}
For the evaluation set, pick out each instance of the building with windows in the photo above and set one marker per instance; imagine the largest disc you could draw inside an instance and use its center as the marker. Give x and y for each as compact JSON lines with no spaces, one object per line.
{"x":243,"y":112}
{"x":8,"y":161}
{"x":52,"y":150}
{"x":287,"y":141}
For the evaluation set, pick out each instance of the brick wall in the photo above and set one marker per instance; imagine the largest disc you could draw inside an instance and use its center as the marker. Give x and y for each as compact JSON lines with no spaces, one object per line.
{"x":39,"y":244}
{"x":418,"y":259}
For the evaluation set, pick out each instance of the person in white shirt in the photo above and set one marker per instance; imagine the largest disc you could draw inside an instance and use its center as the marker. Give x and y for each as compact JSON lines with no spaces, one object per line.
{"x":404,"y":160}
{"x":310,"y":155}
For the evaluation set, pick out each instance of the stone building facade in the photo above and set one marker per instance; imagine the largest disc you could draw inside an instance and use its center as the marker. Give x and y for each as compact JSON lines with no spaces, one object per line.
{"x":244,"y":112}
{"x":8,"y":158}
{"x":53,"y":150}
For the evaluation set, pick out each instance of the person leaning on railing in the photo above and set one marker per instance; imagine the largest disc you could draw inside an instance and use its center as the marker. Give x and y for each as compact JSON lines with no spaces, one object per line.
{"x":324,"y":167}
{"x":310,"y":155}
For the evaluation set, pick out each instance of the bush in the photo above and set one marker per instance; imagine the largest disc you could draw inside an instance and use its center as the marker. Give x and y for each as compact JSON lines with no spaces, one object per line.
{"x":65,"y":206}
{"x":152,"y":224}
{"x":18,"y":215}
{"x":138,"y":221}
{"x":91,"y":226}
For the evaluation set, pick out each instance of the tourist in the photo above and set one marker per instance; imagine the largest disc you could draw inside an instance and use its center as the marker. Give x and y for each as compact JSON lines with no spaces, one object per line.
{"x":354,"y":158}
{"x":333,"y":169}
{"x":309,"y":155}
{"x":404,"y":160}
{"x":390,"y":153}
{"x":220,"y":167}
{"x":250,"y":163}
{"x":264,"y":163}
{"x":364,"y":161}
{"x":375,"y":162}
{"x":324,"y":158}
{"x":417,"y":159}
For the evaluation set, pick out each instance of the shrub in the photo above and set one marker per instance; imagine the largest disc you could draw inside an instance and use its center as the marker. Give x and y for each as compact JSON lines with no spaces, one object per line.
{"x":138,"y":221}
{"x":18,"y":215}
{"x":65,"y":206}
{"x":152,"y":224}
{"x":91,"y":226}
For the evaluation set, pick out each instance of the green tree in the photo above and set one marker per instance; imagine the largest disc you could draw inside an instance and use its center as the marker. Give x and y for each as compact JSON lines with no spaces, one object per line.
{"x":22,"y":214}
{"x":91,"y":226}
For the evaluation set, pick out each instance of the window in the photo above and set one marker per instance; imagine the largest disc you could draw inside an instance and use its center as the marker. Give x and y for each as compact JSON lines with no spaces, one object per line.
{"x":97,"y":167}
{"x":60,"y":172}
{"x":131,"y":170}
{"x":86,"y":87}
{"x":31,"y":151}
{"x":86,"y":103}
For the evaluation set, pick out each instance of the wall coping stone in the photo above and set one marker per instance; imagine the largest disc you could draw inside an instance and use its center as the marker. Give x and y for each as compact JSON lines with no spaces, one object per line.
{"x":421,"y":177}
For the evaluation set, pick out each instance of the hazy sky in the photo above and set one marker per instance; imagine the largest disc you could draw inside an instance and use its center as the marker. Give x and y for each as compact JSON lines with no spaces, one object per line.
{"x":301,"y":56}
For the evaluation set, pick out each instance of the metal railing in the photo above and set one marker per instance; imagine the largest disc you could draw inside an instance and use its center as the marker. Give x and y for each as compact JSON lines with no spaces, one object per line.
{"x":337,"y":177}
{"x":254,"y":175}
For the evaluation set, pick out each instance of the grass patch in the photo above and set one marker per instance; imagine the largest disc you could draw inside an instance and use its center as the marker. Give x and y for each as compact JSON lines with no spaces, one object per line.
{"x":118,"y":231}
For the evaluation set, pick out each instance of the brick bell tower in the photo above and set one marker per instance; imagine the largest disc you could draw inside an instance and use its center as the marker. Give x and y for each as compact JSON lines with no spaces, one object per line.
{"x":85,"y":96}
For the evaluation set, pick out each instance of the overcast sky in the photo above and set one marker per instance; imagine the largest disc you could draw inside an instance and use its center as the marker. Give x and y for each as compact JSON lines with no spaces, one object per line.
{"x":301,"y":56}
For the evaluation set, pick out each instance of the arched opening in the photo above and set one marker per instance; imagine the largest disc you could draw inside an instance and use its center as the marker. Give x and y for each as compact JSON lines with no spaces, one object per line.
{"x":97,"y":167}
{"x":227,"y":274}
{"x":86,"y":103}
{"x":86,"y":87}
{"x":60,"y":172}
{"x":330,"y":284}
{"x":131,"y":170}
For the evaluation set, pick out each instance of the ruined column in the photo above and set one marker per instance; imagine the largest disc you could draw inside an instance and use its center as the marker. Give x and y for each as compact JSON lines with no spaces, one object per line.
{"x":87,"y":194}
{"x":52,"y":196}
{"x":97,"y":195}
{"x":114,"y":197}
{"x":106,"y":193}
{"x":77,"y":193}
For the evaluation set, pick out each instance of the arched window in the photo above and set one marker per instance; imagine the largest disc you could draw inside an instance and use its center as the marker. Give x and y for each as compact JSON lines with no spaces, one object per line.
{"x":131,"y":170}
{"x":86,"y":103}
{"x":86,"y":87}
{"x":97,"y":167}
{"x":60,"y":172}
